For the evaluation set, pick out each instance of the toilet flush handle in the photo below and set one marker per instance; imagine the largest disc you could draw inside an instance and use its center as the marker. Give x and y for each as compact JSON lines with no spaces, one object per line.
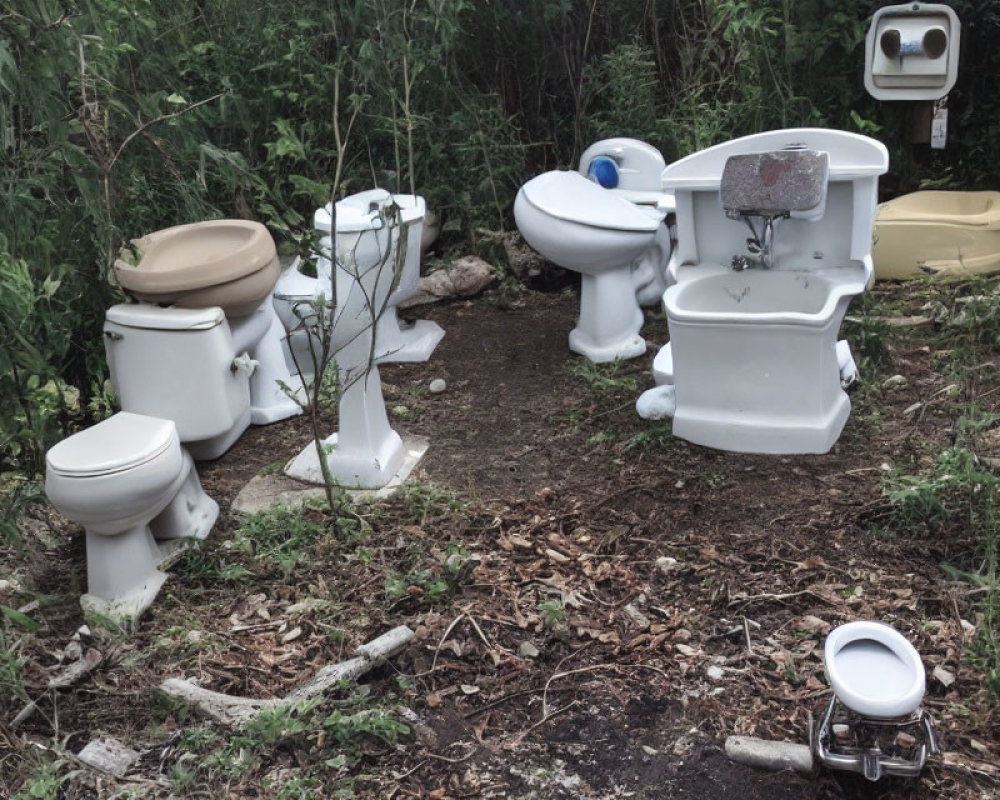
{"x":243,"y":363}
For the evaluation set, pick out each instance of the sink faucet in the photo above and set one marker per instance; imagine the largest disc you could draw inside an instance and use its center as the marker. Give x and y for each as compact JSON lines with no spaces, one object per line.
{"x":759,"y":244}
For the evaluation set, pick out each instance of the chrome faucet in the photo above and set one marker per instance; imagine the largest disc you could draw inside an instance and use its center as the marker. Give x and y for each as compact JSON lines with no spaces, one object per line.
{"x":759,"y":244}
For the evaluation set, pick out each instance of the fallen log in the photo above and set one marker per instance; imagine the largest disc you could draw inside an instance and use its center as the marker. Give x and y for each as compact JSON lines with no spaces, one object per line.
{"x":237,"y":712}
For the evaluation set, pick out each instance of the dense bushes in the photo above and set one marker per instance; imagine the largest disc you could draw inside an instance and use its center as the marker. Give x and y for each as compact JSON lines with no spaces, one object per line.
{"x":121,"y":116}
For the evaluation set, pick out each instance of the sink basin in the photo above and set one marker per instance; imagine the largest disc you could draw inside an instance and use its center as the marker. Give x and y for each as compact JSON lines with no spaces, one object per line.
{"x":228,"y":263}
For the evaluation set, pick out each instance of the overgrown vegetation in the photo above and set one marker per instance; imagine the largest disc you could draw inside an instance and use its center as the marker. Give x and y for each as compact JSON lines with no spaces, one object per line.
{"x":954,"y":494}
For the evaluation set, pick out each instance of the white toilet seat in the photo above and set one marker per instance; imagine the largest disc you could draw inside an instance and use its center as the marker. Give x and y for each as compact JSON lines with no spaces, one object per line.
{"x":117,"y":473}
{"x":121,"y":442}
{"x":874,"y":670}
{"x":135,"y":491}
{"x":574,"y":198}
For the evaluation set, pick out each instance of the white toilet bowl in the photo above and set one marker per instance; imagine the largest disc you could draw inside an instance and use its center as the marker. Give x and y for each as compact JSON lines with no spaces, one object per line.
{"x":395,"y":340}
{"x":134,"y":490}
{"x":577,"y":224}
{"x":631,"y":169}
{"x":874,"y":670}
{"x":228,"y":264}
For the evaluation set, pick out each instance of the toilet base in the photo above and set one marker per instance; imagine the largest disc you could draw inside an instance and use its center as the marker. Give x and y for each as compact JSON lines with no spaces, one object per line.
{"x":399,"y":341}
{"x":610,"y":318}
{"x":211,"y":449}
{"x":124,"y":569}
{"x":268,"y":400}
{"x":351,"y":470}
{"x":760,"y":433}
{"x":125,"y":609}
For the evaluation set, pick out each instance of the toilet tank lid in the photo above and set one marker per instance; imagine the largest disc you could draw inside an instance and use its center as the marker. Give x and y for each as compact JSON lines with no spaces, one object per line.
{"x":354,"y":213}
{"x":572,"y":197}
{"x":146,"y":315}
{"x":118,"y":443}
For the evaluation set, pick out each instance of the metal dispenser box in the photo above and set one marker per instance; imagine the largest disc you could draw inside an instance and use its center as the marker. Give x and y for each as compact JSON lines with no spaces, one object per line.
{"x":911,"y":52}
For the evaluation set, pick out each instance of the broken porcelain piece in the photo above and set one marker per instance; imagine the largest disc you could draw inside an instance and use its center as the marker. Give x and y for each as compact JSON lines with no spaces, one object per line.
{"x":135,"y":491}
{"x":753,"y":354}
{"x":951,"y":234}
{"x":874,"y":723}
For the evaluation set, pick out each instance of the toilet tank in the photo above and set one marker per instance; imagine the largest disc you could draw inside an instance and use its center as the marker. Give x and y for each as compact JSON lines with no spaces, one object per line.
{"x":177,"y":364}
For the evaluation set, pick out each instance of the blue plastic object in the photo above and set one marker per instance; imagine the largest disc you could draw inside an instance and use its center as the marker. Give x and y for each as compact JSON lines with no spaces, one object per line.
{"x":604,"y":170}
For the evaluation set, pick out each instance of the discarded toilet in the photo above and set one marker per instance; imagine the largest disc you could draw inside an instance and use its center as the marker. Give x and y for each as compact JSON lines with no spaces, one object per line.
{"x":773,"y":241}
{"x":193,"y":363}
{"x":365,"y":452}
{"x":874,"y":723}
{"x":204,"y":347}
{"x":950,"y":234}
{"x":135,"y":491}
{"x":607,"y":221}
{"x":395,"y":340}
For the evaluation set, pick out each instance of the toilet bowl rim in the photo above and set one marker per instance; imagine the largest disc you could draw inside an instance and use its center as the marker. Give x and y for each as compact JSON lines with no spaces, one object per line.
{"x":887,"y":636}
{"x":638,"y":219}
{"x":257,"y":253}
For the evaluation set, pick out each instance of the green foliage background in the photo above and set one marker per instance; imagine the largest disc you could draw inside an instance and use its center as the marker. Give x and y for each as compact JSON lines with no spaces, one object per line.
{"x":118,"y":117}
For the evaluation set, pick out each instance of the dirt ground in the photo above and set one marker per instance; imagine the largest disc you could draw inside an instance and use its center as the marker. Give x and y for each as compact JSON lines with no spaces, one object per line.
{"x":623,"y":601}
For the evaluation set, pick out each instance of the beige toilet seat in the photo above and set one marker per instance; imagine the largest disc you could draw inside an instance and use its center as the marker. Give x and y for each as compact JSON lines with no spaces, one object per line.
{"x":228,"y":263}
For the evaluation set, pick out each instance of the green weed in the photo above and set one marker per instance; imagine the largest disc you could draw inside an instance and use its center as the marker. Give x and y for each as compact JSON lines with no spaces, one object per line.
{"x":612,"y":378}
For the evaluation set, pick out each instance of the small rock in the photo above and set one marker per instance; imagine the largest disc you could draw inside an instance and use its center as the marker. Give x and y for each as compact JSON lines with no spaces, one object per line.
{"x":437,"y":386}
{"x":292,"y":635}
{"x":943,"y":676}
{"x":666,"y":563}
{"x":894,"y":382}
{"x":650,"y":751}
{"x":682,"y":635}
{"x":685,"y":649}
{"x":637,"y":618}
{"x":109,"y":755}
{"x":904,"y":739}
{"x":195,"y":637}
{"x":468,"y":688}
{"x":912,"y":409}
{"x":715,"y":673}
{"x":527,"y":650}
{"x":9,"y":586}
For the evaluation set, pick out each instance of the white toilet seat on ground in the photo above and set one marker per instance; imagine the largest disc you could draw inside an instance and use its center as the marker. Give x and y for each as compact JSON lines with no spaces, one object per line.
{"x":874,"y":670}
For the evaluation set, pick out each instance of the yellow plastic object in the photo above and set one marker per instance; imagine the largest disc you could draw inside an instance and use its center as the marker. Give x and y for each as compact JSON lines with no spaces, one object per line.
{"x":228,"y":263}
{"x":952,"y":234}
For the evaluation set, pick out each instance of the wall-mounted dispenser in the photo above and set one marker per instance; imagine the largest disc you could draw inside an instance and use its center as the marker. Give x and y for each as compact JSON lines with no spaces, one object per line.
{"x":911,"y":52}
